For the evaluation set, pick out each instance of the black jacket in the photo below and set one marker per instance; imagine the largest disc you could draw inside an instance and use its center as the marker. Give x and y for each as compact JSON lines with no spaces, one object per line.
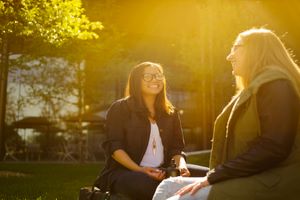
{"x":128,"y":128}
{"x":278,"y":108}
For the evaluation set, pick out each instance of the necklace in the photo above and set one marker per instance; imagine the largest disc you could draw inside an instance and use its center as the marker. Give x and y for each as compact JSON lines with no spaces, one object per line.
{"x":153,"y":146}
{"x":152,"y":119}
{"x":152,"y":115}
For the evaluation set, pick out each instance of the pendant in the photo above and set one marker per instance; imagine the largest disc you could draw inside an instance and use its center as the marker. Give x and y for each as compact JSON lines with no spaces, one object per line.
{"x":154,"y":146}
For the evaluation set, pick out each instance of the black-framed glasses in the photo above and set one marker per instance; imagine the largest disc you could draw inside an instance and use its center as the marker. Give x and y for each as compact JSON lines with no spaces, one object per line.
{"x":149,"y":77}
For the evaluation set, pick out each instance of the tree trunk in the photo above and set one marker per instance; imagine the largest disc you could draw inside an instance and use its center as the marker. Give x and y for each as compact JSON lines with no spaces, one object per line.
{"x":80,"y":110}
{"x":3,"y":91}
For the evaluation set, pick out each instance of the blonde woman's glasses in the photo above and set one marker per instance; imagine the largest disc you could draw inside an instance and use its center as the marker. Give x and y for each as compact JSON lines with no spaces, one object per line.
{"x":236,"y":46}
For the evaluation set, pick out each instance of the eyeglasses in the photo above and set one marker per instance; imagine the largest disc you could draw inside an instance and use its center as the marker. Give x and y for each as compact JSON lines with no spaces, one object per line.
{"x":236,"y":46}
{"x":149,"y":77}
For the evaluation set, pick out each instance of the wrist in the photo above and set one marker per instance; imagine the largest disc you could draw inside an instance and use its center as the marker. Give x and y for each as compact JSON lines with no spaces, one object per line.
{"x":138,"y":169}
{"x":206,"y":183}
{"x":206,"y":180}
{"x":182,"y":166}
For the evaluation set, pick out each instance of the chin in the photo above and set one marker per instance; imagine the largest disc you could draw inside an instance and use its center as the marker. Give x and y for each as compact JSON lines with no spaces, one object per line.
{"x":153,"y":92}
{"x":235,"y":72}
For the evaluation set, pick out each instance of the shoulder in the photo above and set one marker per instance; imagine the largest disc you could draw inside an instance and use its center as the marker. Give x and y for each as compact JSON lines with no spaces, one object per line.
{"x":174,"y":113}
{"x":269,"y":75}
{"x":279,"y":87}
{"x":279,"y":93}
{"x":118,"y":103}
{"x":119,"y":106}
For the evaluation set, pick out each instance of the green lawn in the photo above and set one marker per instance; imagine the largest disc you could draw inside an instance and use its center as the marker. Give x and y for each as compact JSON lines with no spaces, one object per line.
{"x":50,"y":181}
{"x":44,"y":181}
{"x":200,"y":159}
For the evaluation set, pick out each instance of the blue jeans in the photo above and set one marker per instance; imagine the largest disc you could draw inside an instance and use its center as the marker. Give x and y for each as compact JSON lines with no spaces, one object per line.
{"x":167,"y":188}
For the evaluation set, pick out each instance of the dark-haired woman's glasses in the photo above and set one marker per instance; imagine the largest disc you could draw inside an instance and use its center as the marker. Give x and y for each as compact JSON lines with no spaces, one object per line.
{"x":149,"y":77}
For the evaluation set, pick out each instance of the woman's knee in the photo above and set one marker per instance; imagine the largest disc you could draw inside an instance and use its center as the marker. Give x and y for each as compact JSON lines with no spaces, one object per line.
{"x":136,"y":185}
{"x":167,"y":188}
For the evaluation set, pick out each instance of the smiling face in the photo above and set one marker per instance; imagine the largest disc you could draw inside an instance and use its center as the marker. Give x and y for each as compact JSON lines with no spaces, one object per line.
{"x":152,"y":81}
{"x":237,"y":58}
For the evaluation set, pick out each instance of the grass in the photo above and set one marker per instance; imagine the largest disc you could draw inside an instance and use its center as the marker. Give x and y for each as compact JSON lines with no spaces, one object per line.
{"x":199,"y":159}
{"x":44,"y":181}
{"x":51,"y":181}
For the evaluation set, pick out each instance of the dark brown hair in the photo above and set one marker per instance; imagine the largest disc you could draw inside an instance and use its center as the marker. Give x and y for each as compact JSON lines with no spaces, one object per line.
{"x":133,"y":88}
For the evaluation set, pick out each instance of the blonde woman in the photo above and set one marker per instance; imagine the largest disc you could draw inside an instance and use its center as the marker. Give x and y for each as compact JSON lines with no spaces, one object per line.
{"x":256,"y":141}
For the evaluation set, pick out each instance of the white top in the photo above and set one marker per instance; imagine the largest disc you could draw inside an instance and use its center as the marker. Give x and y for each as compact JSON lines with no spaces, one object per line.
{"x":154,"y":155}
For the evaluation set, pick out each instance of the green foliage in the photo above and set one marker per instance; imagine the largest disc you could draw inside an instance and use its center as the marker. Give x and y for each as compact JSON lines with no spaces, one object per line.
{"x":51,"y":28}
{"x":45,"y":181}
{"x":53,"y":21}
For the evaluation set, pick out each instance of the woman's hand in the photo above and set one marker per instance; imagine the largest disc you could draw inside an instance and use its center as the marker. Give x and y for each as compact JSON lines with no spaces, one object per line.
{"x":123,"y":158}
{"x":181,"y":164}
{"x":154,"y":173}
{"x":194,"y":187}
{"x":184,"y":171}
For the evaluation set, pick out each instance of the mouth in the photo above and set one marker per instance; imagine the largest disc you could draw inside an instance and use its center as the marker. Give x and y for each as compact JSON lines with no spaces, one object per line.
{"x":154,"y":86}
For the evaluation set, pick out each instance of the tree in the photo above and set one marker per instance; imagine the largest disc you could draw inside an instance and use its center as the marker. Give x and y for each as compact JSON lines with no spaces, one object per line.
{"x":46,"y":85}
{"x":42,"y":23}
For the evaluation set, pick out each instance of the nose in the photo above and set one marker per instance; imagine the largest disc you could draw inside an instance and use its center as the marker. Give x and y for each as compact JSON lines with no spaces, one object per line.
{"x":229,"y":56}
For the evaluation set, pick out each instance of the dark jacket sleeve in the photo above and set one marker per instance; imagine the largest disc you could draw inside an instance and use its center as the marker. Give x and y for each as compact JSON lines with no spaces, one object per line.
{"x":177,"y":144}
{"x":115,"y":120}
{"x":278,"y":110}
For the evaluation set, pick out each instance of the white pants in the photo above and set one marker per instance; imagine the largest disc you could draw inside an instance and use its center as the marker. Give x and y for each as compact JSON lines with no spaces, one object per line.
{"x":167,"y":188}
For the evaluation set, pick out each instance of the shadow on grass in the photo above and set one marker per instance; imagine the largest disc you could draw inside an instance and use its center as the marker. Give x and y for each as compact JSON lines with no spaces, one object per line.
{"x":45,"y":181}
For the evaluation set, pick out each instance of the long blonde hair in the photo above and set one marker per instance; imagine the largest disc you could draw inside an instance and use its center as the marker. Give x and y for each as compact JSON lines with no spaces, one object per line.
{"x":263,"y":48}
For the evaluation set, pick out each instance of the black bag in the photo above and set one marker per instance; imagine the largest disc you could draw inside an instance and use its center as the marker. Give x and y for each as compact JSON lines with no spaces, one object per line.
{"x":93,"y":193}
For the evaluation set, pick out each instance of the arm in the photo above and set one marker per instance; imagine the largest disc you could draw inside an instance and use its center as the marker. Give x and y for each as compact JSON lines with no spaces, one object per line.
{"x":114,"y":126}
{"x":177,"y":141}
{"x":123,"y":158}
{"x":278,"y":110}
{"x":178,"y":146}
{"x":114,"y":144}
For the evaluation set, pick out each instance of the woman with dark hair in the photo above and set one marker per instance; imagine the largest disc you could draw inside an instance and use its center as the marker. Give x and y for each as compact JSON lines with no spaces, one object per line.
{"x":143,"y":134}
